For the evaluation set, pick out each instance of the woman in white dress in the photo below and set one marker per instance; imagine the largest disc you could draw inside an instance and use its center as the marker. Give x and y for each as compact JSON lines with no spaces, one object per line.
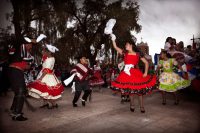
{"x":47,"y":86}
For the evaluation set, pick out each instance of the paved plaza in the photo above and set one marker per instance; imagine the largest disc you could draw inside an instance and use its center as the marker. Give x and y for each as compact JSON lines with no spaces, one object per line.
{"x":105,"y":114}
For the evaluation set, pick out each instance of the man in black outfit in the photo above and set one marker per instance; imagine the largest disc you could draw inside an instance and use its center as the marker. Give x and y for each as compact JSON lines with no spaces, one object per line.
{"x":18,"y":64}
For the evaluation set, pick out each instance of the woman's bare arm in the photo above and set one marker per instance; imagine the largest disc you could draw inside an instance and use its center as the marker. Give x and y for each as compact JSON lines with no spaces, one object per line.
{"x":146,"y":66}
{"x":113,"y":38}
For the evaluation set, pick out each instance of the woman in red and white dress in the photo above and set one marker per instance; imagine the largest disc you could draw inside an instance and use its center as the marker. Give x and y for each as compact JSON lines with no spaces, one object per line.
{"x":47,"y":86}
{"x":97,"y":79}
{"x":131,"y":81}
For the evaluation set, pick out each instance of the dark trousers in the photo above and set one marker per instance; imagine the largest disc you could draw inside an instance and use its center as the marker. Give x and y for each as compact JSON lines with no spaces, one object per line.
{"x":18,"y":85}
{"x":81,"y":86}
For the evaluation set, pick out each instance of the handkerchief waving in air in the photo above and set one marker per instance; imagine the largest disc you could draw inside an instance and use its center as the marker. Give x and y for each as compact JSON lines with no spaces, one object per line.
{"x":109,"y":26}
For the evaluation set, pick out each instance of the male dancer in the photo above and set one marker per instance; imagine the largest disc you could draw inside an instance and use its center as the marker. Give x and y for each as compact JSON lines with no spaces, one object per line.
{"x":19,"y":63}
{"x":81,"y":80}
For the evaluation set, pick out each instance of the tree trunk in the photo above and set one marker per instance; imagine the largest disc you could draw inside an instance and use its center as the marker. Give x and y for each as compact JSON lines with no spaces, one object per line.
{"x":16,"y":21}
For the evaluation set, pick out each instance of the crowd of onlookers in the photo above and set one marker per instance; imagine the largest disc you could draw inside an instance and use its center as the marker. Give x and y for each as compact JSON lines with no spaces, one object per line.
{"x":187,"y":57}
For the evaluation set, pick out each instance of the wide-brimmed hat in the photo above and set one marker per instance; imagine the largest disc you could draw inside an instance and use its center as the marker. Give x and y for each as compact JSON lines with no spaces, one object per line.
{"x":34,"y":40}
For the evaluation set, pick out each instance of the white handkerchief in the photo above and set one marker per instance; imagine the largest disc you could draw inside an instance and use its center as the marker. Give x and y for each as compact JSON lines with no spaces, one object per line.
{"x":40,"y":37}
{"x":69,"y":80}
{"x":109,"y":26}
{"x":73,"y":87}
{"x":127,"y":69}
{"x":27,"y":39}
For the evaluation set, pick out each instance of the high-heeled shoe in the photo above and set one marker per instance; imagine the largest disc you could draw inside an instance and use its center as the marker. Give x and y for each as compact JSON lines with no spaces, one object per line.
{"x":164,"y":103}
{"x":122,"y":101}
{"x":132,"y":109}
{"x":176,"y":102}
{"x":142,"y":110}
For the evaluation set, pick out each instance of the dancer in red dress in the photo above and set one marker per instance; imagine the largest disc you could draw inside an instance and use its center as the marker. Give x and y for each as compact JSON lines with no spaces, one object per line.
{"x":96,"y":79}
{"x":47,"y":86}
{"x":131,"y":80}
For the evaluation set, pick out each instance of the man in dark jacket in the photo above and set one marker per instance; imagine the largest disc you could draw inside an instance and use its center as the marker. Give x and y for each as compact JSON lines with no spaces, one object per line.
{"x":18,"y":64}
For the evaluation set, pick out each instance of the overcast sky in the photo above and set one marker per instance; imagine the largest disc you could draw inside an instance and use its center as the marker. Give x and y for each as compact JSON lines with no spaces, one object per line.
{"x":162,"y":18}
{"x":159,"y":19}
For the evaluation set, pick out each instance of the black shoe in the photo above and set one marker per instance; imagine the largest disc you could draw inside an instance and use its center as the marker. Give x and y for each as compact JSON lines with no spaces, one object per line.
{"x":19,"y":118}
{"x":164,"y":103}
{"x":44,"y":106}
{"x":142,"y":110}
{"x":75,"y":105}
{"x":83,"y":103}
{"x":132,"y":109}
